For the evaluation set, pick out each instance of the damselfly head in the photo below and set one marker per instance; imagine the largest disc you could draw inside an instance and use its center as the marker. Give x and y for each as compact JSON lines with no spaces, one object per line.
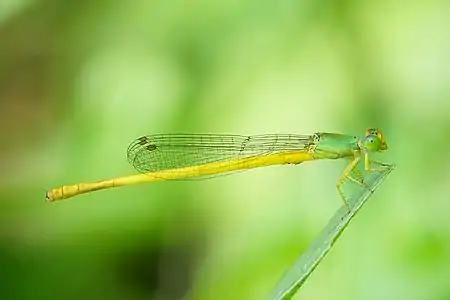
{"x":374,"y":140}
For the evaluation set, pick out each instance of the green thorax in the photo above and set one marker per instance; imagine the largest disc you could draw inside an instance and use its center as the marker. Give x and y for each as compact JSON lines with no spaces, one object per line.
{"x":332,"y":145}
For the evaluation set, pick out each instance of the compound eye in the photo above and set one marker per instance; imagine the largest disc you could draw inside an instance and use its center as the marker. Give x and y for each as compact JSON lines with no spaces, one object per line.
{"x":372,"y":143}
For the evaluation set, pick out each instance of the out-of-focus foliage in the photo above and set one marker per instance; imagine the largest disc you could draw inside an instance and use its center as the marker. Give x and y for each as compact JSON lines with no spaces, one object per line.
{"x":79,"y":80}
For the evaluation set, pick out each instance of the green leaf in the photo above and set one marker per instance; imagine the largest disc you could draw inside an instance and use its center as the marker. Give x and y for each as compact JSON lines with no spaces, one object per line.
{"x":322,"y":244}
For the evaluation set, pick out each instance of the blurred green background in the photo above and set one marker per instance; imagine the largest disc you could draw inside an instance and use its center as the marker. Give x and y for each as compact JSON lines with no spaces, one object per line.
{"x":79,"y":80}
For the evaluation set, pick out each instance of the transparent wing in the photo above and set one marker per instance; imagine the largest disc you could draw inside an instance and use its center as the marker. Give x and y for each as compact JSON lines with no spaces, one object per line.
{"x":172,"y":151}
